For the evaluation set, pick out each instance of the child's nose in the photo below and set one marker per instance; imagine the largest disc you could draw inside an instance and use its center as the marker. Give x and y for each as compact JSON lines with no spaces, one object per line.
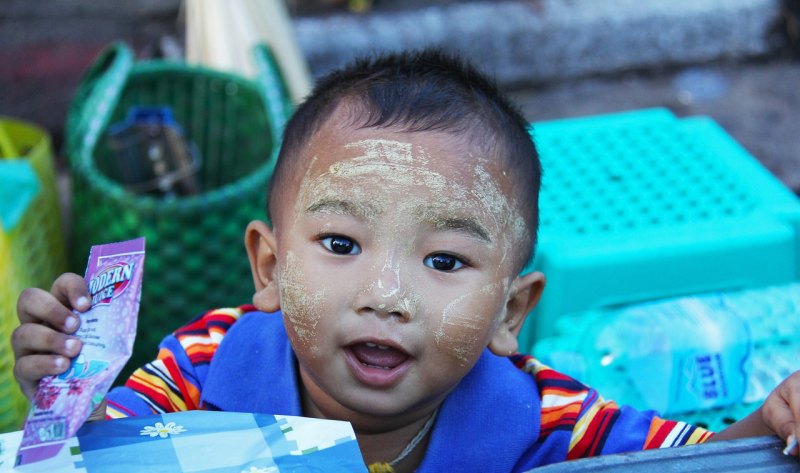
{"x":388,"y":284}
{"x":384,"y":293}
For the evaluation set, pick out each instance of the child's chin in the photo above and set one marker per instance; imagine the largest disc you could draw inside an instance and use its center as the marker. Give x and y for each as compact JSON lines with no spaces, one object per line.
{"x":381,"y":403}
{"x":381,"y":407}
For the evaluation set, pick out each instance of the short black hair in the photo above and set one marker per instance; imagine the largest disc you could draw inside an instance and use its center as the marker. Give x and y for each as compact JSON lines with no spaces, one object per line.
{"x":417,"y":91}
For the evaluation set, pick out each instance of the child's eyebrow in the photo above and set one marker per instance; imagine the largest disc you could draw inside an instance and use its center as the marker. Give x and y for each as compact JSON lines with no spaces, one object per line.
{"x":360,"y":210}
{"x":467,"y":225}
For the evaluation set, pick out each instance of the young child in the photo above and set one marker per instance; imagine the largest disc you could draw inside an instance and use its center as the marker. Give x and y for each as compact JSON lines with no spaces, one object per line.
{"x":388,"y":292}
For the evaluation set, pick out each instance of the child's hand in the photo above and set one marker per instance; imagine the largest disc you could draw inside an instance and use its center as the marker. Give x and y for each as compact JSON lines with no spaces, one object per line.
{"x":42,"y":343}
{"x":779,"y":415}
{"x":781,"y":411}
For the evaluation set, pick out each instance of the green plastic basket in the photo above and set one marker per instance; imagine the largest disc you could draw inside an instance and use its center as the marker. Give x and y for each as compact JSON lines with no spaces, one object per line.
{"x":32,"y":250}
{"x":195,"y":254}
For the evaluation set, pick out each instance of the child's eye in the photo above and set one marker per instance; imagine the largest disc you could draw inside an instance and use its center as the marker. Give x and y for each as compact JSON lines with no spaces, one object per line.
{"x":443,"y":262}
{"x":340,"y":245}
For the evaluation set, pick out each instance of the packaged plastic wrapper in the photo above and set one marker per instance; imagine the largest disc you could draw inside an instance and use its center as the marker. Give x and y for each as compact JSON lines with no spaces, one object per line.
{"x":107,"y":330}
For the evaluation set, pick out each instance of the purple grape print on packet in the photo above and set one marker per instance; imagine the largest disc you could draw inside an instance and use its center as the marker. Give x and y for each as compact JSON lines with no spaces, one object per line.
{"x":107,"y":330}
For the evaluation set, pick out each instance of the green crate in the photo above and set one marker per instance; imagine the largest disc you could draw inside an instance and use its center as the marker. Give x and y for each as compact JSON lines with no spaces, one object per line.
{"x":642,"y":205}
{"x":195,"y":257}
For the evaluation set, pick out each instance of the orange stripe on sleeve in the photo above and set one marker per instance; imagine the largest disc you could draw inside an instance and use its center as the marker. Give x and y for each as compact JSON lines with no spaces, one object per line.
{"x":191,"y":397}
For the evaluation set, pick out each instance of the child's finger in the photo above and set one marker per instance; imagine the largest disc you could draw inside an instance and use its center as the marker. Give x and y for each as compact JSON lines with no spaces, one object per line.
{"x":40,"y":307}
{"x":70,"y":289}
{"x":791,"y":446}
{"x":28,"y":370}
{"x":791,"y":393}
{"x":29,"y":339}
{"x":789,"y":412}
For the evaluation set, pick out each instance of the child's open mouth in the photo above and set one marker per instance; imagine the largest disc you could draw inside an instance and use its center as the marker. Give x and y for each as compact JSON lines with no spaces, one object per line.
{"x":376,"y":365}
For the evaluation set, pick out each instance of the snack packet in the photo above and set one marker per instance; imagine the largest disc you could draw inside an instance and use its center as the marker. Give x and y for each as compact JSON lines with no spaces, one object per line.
{"x":64,"y":402}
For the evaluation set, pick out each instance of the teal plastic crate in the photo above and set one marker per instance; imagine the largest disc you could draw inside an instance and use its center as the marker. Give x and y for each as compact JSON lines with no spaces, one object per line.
{"x":717,"y":420}
{"x":642,"y":205}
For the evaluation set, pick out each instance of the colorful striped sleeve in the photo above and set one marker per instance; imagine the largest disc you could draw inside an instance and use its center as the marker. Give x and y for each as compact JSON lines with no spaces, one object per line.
{"x":589,"y":425}
{"x":668,"y":433}
{"x":174,"y":380}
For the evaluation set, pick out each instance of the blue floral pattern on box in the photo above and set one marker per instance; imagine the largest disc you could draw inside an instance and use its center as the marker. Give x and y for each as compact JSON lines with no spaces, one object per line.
{"x":209,"y":442}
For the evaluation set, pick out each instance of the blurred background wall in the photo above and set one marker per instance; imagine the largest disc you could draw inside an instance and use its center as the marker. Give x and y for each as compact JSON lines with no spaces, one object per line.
{"x":46,"y":44}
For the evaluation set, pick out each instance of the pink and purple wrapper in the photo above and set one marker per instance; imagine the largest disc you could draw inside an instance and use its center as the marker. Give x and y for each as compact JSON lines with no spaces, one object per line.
{"x":107,"y":330}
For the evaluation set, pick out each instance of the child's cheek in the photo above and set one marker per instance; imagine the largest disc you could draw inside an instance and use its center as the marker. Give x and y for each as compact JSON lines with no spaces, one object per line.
{"x":466,"y":324}
{"x":301,"y":306}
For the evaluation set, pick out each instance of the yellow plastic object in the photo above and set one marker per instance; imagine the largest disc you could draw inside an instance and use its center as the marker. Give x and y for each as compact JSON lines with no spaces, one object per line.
{"x":7,"y":147}
{"x":32,"y":250}
{"x":12,"y":402}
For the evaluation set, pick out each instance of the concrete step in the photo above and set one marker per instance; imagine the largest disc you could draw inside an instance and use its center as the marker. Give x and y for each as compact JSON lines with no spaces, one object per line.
{"x":525,"y":42}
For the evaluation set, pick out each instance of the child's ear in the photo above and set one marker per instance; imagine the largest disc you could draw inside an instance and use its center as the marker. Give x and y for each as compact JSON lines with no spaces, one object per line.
{"x":523,"y":298}
{"x":262,"y":250}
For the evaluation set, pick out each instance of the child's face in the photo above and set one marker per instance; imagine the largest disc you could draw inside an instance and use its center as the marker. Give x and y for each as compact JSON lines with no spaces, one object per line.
{"x":395,"y":267}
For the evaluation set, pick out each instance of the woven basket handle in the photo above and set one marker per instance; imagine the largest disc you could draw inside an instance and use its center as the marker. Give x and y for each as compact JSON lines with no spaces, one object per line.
{"x":96,"y":97}
{"x":272,"y":85}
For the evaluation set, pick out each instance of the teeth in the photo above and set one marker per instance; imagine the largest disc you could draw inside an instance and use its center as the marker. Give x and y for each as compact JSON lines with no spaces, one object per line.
{"x":373,"y":345}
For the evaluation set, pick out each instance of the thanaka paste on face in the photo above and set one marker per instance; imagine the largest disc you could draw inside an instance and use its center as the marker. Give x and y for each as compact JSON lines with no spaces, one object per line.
{"x":398,"y":165}
{"x":391,"y":287}
{"x":463,"y":318}
{"x":302,"y":306}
